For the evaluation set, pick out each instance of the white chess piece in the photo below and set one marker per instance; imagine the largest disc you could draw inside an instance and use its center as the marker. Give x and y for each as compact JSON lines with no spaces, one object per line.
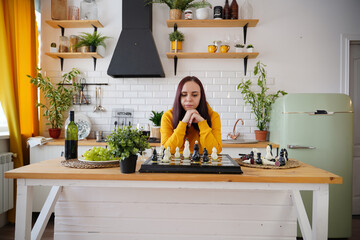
{"x":177,"y":153}
{"x":161,"y":151}
{"x":186,"y":151}
{"x":265,"y":161}
{"x":268,"y":156}
{"x":214,"y":155}
{"x":168,"y":153}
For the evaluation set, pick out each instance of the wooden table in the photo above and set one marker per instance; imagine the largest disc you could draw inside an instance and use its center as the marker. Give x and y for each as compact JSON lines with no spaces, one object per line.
{"x":51,"y":173}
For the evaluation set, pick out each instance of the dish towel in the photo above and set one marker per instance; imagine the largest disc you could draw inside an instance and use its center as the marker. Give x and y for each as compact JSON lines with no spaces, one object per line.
{"x":38,"y":140}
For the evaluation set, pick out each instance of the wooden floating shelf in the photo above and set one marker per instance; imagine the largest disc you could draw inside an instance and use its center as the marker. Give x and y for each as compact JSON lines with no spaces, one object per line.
{"x":213,"y":23}
{"x":74,"y":55}
{"x":212,"y":55}
{"x":74,"y":23}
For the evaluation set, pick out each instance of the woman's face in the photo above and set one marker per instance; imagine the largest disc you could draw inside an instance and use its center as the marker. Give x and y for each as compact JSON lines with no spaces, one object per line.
{"x":190,"y":95}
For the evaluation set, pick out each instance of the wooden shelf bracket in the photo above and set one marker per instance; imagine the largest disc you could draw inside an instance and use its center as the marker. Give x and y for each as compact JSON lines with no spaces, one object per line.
{"x":245,"y":31}
{"x":245,"y":64}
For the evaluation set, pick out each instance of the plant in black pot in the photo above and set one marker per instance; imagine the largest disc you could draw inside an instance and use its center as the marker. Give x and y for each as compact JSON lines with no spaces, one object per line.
{"x":91,"y":40}
{"x":125,"y":143}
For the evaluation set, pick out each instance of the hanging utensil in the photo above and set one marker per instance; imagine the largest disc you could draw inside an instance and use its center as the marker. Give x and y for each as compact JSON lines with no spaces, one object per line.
{"x":101,"y":108}
{"x":96,"y":100}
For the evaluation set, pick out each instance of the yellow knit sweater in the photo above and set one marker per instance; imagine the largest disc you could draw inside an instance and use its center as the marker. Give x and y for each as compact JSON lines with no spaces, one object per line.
{"x":207,"y":137}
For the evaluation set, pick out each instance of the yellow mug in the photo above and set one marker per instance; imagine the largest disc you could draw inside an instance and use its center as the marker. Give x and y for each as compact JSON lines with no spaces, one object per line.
{"x":224,"y":48}
{"x":212,"y":48}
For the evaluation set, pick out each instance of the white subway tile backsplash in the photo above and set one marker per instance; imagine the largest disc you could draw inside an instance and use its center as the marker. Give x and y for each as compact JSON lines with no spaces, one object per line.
{"x":222,"y":81}
{"x":137,"y":87}
{"x":123,"y":87}
{"x":145,"y":94}
{"x":130,"y":94}
{"x":228,"y":74}
{"x":152,"y":101}
{"x":228,"y":88}
{"x":227,"y":116}
{"x":152,"y":88}
{"x":228,"y":102}
{"x":212,"y":74}
{"x":220,"y":95}
{"x":137,"y":101}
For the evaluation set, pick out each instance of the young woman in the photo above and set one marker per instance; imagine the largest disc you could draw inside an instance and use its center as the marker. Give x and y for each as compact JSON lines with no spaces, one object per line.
{"x":191,"y":118}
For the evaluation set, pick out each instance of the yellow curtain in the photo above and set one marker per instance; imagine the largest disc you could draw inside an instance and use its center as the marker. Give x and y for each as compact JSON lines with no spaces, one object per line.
{"x":18,"y":44}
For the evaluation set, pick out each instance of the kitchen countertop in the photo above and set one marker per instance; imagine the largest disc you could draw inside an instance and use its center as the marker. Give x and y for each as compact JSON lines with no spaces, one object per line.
{"x":92,"y":142}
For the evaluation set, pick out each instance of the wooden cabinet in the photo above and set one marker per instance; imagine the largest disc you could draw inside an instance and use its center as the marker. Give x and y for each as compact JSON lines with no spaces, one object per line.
{"x":62,"y":24}
{"x":244,"y":23}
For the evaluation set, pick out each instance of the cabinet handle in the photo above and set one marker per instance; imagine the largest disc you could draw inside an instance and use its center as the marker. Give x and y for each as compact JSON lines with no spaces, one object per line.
{"x":300,"y":147}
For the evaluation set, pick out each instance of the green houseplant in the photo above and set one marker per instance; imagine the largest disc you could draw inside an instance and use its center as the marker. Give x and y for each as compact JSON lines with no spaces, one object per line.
{"x":239,"y":47}
{"x":155,"y":118}
{"x":125,"y":143}
{"x":177,"y":6}
{"x":58,"y":97}
{"x":91,"y":40}
{"x":176,"y":38}
{"x":260,"y":102}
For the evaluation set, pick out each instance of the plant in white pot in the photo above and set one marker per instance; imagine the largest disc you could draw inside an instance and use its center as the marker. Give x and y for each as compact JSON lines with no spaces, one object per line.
{"x":125,"y":143}
{"x":250,"y":48}
{"x":260,"y":102}
{"x":156,"y":120}
{"x":239,"y":47}
{"x":176,"y":7}
{"x":202,"y":9}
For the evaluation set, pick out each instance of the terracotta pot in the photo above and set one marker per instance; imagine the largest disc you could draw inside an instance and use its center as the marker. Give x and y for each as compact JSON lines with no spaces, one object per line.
{"x":261,"y":135}
{"x":155,"y":132}
{"x":178,"y":45}
{"x":128,"y":165}
{"x":175,"y":14}
{"x":54,"y":132}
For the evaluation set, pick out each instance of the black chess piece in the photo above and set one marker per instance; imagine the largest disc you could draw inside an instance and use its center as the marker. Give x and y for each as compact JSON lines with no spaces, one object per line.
{"x":154,"y":157}
{"x":251,"y":157}
{"x":286,"y":154}
{"x":205,"y":156}
{"x":163,"y":155}
{"x":281,"y":158}
{"x":258,"y":160}
{"x":196,"y":155}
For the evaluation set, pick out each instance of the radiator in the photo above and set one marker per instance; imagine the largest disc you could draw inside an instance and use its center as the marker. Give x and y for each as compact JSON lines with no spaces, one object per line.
{"x":6,"y":185}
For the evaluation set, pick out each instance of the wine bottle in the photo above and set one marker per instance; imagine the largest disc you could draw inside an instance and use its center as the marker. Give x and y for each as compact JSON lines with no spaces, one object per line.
{"x":234,"y":10}
{"x":71,"y":139}
{"x":226,"y":10}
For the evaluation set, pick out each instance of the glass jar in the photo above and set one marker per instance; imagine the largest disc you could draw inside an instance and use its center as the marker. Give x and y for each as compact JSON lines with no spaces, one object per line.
{"x":88,"y":10}
{"x":246,"y":10}
{"x":73,"y":41}
{"x":63,"y":44}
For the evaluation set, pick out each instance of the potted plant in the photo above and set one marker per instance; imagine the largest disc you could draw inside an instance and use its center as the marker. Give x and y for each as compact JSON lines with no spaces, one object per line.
{"x":176,"y":39}
{"x":91,"y":41}
{"x":176,"y":6}
{"x":202,"y":9}
{"x":239,"y":47}
{"x":156,"y":120}
{"x":125,"y":143}
{"x":249,"y":48}
{"x":260,"y":101}
{"x":53,"y":47}
{"x":58,"y":97}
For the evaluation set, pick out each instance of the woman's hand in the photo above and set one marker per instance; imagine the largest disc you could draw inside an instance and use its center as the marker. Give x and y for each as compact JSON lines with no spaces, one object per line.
{"x":192,"y":116}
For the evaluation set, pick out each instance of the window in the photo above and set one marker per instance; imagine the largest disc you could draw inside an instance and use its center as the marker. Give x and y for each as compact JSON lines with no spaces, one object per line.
{"x":3,"y":121}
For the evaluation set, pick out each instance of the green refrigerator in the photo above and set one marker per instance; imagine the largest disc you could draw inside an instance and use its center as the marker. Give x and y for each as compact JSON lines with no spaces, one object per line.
{"x":318,"y":129}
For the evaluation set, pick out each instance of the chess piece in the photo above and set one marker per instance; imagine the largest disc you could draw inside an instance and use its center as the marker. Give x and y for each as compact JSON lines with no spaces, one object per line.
{"x":269,"y":155}
{"x":177,"y":154}
{"x":251,"y":157}
{"x":282,"y":158}
{"x":286,"y":155}
{"x":267,"y":162}
{"x":186,"y":152}
{"x":161,"y":151}
{"x":154,"y":156}
{"x":258,"y":160}
{"x":196,"y":155}
{"x":214,"y":155}
{"x":167,"y":155}
{"x":205,"y":156}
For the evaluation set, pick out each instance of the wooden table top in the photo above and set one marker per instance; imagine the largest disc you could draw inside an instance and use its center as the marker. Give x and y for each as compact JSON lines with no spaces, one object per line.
{"x":92,"y":142}
{"x":52,"y":169}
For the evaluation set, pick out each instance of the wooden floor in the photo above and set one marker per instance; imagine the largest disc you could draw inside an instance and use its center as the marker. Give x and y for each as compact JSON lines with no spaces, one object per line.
{"x":7,"y":232}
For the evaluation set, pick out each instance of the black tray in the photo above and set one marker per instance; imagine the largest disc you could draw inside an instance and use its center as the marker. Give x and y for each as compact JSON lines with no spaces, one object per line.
{"x":227,"y":165}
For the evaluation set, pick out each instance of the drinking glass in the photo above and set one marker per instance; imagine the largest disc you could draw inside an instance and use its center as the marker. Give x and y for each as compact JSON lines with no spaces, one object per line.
{"x":145,"y":129}
{"x":73,"y":13}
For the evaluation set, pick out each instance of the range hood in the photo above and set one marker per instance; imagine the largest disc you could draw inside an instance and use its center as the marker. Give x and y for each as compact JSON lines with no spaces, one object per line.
{"x":135,"y":54}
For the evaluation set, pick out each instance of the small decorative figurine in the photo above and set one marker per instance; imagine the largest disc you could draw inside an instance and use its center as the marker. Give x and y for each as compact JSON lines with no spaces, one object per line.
{"x":205,"y":156}
{"x":214,"y":155}
{"x":186,"y":152}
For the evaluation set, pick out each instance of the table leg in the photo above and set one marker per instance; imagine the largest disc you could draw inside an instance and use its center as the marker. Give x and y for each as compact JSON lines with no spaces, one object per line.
{"x":320,"y":217}
{"x":23,"y":210}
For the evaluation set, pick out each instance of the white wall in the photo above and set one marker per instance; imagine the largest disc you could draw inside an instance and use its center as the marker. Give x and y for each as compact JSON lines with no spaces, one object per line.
{"x":299,"y":41}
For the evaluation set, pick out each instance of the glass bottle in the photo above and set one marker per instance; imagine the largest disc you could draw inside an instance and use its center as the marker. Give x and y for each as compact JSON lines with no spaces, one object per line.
{"x":71,"y":139}
{"x":234,"y":10}
{"x":226,"y":10}
{"x":246,"y":10}
{"x":88,"y":10}
{"x":63,"y":44}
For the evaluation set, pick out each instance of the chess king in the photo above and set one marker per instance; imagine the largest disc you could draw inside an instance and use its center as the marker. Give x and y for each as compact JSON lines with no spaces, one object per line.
{"x":192,"y":118}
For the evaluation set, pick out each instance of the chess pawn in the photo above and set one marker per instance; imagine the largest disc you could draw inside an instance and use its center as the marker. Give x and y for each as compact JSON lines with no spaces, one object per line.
{"x":168,"y":153}
{"x":258,"y":160}
{"x":154,"y":156}
{"x":186,"y":152}
{"x":214,"y":155}
{"x":177,"y":154}
{"x":161,"y":151}
{"x":251,"y":157}
{"x":205,"y":156}
{"x":196,"y":155}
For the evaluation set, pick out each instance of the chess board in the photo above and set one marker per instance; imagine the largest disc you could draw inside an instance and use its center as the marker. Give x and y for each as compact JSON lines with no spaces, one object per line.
{"x":224,"y":165}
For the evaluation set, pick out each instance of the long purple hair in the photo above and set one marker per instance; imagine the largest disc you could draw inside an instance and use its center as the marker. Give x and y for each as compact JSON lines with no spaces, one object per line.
{"x":179,"y":111}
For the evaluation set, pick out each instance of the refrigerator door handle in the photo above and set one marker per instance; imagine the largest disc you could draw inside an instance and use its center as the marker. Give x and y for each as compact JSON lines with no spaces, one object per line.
{"x":299,"y":147}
